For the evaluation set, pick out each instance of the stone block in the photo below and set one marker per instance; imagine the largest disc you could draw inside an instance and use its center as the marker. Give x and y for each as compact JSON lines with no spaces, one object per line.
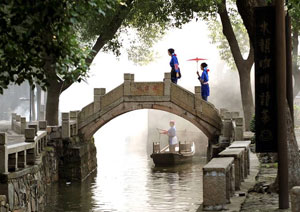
{"x":295,"y":199}
{"x":222,"y":111}
{"x":167,"y":76}
{"x":239,"y":133}
{"x":132,"y":77}
{"x":238,"y":155}
{"x":73,"y":114}
{"x":227,"y":128}
{"x":99,"y":91}
{"x":23,"y":125}
{"x":35,"y":127}
{"x":197,"y":89}
{"x":246,"y":146}
{"x":239,"y":121}
{"x":217,"y":183}
{"x":29,"y":134}
{"x":18,"y":118}
{"x":3,"y":138}
{"x":65,"y":116}
{"x":127,"y":77}
{"x":235,"y":114}
{"x":227,"y":115}
{"x":43,"y":125}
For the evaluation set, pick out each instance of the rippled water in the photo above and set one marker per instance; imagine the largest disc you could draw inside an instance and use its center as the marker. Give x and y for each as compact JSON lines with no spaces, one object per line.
{"x":127,"y":180}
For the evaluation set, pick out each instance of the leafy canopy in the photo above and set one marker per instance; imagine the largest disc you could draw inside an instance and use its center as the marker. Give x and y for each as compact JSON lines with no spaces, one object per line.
{"x":33,"y":33}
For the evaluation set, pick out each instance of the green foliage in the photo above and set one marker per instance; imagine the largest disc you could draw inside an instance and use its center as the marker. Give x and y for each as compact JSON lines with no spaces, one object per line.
{"x":294,"y":11}
{"x":218,"y":38}
{"x":33,"y":33}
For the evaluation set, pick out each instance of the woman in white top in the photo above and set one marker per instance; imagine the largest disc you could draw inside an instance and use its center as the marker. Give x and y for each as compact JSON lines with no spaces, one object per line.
{"x":172,"y":136}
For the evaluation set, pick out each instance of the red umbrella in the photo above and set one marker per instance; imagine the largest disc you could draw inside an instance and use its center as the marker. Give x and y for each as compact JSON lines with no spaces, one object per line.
{"x":197,"y":60}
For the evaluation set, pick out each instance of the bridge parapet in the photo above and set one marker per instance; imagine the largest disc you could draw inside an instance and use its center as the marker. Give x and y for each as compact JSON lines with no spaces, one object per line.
{"x":69,"y":124}
{"x":19,"y":155}
{"x":18,"y":123}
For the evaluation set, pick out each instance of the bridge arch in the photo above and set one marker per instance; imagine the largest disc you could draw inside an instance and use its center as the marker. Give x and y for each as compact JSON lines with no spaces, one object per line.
{"x":164,"y":96}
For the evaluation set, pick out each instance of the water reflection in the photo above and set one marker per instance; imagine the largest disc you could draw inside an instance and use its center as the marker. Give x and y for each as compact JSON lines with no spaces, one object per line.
{"x":126,"y":180}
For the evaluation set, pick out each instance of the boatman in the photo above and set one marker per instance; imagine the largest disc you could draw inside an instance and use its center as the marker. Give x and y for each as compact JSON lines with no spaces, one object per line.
{"x":172,"y":136}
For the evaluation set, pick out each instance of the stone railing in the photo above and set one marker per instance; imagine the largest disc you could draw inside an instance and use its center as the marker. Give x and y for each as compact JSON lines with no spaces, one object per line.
{"x":69,"y":124}
{"x":224,"y":174}
{"x":18,"y":123}
{"x":19,"y":155}
{"x":4,"y":206}
{"x":233,"y":126}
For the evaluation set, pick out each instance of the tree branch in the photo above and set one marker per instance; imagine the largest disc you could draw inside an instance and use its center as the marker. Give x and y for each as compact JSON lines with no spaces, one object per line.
{"x":111,"y":28}
{"x":230,"y":36}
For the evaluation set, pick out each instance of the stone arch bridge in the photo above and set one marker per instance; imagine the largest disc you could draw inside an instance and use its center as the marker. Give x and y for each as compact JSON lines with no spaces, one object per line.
{"x":131,"y":95}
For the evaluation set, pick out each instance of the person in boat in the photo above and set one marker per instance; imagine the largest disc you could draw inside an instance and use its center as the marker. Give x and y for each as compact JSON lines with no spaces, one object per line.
{"x":175,"y":70}
{"x":204,"y":81}
{"x":172,"y":136}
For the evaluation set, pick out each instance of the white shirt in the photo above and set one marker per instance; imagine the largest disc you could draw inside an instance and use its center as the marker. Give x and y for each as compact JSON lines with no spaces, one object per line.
{"x":172,"y":136}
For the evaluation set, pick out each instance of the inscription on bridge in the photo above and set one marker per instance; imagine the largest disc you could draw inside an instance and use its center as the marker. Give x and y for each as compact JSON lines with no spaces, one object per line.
{"x":147,"y":89}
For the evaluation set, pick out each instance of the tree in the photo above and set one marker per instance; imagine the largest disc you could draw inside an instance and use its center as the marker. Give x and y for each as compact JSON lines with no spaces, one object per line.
{"x":294,"y":11}
{"x":246,"y":10}
{"x":32,"y":33}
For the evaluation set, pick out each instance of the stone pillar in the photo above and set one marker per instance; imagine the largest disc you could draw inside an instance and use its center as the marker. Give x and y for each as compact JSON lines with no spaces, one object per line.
{"x":74,"y":119}
{"x":3,"y":153}
{"x":23,"y":125}
{"x":198,"y":99}
{"x":167,"y":84}
{"x":43,"y":125}
{"x":295,"y":199}
{"x":98,"y":93}
{"x":65,"y":125}
{"x":235,"y":114}
{"x":227,"y":125}
{"x":13,"y":118}
{"x":29,"y":134}
{"x":127,"y":84}
{"x":239,"y":129}
{"x":222,"y":112}
{"x":35,"y":127}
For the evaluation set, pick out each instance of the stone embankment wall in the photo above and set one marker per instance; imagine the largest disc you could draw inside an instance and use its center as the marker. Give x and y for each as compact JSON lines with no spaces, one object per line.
{"x":25,"y":190}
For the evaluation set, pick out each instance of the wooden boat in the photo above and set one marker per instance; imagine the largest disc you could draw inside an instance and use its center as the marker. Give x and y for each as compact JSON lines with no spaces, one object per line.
{"x":183,"y":154}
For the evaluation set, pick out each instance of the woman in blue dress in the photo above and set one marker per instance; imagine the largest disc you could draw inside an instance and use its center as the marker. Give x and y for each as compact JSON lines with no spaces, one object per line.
{"x":175,"y":71}
{"x":204,"y":81}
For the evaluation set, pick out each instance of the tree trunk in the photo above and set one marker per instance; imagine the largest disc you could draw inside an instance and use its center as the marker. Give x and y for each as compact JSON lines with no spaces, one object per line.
{"x":243,"y":66}
{"x":293,"y":156}
{"x":52,"y":105}
{"x":247,"y":99}
{"x":296,"y":72}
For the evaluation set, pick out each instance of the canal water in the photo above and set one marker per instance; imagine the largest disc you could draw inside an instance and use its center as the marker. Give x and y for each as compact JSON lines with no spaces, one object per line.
{"x":127,"y":180}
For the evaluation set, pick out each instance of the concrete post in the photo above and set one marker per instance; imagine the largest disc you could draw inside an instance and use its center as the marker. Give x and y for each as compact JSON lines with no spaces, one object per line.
{"x":198,"y":99}
{"x":23,"y":125}
{"x":295,"y":199}
{"x":127,"y":84}
{"x":22,"y":159}
{"x":65,"y":125}
{"x":29,"y":134}
{"x":98,"y":93}
{"x":132,"y":77}
{"x":167,"y":84}
{"x":3,"y":153}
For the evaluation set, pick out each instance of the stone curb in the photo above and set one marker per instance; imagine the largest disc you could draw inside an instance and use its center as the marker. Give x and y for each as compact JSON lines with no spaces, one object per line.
{"x":237,"y":200}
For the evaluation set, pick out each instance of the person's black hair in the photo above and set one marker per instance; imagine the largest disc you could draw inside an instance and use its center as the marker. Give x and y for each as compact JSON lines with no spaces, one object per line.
{"x":171,"y":50}
{"x":204,"y":65}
